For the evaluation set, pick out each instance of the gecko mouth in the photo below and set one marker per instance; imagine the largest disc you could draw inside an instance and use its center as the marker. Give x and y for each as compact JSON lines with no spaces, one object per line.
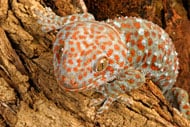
{"x":111,"y":81}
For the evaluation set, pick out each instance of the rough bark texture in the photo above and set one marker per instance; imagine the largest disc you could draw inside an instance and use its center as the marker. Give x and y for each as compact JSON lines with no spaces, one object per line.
{"x":29,"y":94}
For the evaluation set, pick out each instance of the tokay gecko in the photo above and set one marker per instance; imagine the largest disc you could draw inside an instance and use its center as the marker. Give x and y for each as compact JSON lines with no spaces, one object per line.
{"x":112,"y":57}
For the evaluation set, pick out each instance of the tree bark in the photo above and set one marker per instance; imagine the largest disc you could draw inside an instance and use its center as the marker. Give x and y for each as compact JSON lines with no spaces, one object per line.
{"x":30,"y":95}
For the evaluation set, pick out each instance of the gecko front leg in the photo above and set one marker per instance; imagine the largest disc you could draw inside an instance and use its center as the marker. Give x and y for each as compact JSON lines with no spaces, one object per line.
{"x":50,"y":21}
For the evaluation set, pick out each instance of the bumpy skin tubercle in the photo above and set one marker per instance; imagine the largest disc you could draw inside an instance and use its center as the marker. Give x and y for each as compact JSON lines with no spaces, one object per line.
{"x":113,"y":56}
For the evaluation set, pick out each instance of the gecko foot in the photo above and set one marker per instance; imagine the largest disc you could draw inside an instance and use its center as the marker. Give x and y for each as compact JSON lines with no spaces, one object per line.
{"x":179,"y":99}
{"x":183,"y":101}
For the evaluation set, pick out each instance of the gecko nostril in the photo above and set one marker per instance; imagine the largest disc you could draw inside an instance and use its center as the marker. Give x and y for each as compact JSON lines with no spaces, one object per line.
{"x":101,"y":64}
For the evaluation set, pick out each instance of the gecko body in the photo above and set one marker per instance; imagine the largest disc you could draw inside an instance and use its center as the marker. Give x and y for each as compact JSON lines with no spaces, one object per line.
{"x":112,"y":57}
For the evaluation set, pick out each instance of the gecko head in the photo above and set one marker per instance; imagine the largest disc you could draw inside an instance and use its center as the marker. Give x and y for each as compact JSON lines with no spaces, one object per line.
{"x":88,"y":55}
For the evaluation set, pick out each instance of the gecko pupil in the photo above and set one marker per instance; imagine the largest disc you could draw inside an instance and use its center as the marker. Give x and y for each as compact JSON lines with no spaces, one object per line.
{"x":102,"y":64}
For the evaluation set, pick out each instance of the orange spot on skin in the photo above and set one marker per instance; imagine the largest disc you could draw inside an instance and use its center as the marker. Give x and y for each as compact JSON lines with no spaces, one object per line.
{"x":61,"y":42}
{"x":75,"y":69}
{"x":153,"y":67}
{"x":111,"y":35}
{"x":67,"y":28}
{"x":133,"y":42}
{"x":92,"y":29}
{"x":161,"y":46}
{"x":87,"y":62}
{"x":82,"y":37}
{"x":123,"y":54}
{"x":137,"y":25}
{"x":78,"y":47}
{"x":94,"y":56}
{"x":121,"y":64}
{"x":128,"y":37}
{"x":100,"y":36}
{"x":71,"y":42}
{"x":146,"y":34}
{"x":111,"y":69}
{"x":150,"y":42}
{"x":63,"y":78}
{"x":140,"y":45}
{"x":85,"y":31}
{"x":137,"y":76}
{"x":103,"y":47}
{"x":85,"y":44}
{"x":125,"y":25}
{"x":130,"y":59}
{"x":74,"y":35}
{"x":116,"y":47}
{"x":111,"y":61}
{"x":101,"y":28}
{"x":136,"y":34}
{"x":132,"y":52}
{"x":80,"y":77}
{"x":85,"y":74}
{"x":70,"y":61}
{"x":72,"y":49}
{"x":89,"y":52}
{"x":79,"y":60}
{"x":122,"y":87}
{"x":138,"y":59}
{"x":108,"y":43}
{"x":96,"y":74}
{"x":109,"y":53}
{"x":144,"y":65}
{"x":72,"y":18}
{"x":103,"y":78}
{"x":79,"y":24}
{"x":67,"y":34}
{"x":153,"y":34}
{"x":154,"y":58}
{"x":68,"y":69}
{"x":149,"y":53}
{"x":116,"y":57}
{"x":186,"y":106}
{"x":96,"y":41}
{"x":131,"y":81}
{"x":89,"y":69}
{"x":91,"y":35}
{"x":126,"y":67}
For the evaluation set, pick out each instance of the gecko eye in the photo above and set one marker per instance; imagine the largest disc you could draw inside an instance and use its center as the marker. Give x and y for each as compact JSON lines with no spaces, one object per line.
{"x":101,"y":64}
